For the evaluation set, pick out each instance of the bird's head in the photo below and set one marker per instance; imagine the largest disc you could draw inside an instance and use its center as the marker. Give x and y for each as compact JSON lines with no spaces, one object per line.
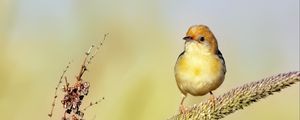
{"x":202,"y":36}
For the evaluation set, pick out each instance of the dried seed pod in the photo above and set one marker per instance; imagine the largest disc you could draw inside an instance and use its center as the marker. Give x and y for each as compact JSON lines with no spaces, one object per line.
{"x":74,"y":94}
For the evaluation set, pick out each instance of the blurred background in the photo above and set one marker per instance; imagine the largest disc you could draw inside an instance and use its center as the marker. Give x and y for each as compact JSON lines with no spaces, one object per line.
{"x":134,"y":70}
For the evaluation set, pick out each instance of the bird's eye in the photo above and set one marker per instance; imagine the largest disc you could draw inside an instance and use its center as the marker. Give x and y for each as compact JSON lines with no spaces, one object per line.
{"x":201,"y":38}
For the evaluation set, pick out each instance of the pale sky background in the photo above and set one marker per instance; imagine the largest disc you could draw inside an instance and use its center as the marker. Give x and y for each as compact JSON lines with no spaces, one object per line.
{"x":134,"y":70}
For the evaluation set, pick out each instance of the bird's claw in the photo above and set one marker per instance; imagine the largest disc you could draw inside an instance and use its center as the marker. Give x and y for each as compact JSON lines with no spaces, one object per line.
{"x":183,"y":109}
{"x":213,"y":101}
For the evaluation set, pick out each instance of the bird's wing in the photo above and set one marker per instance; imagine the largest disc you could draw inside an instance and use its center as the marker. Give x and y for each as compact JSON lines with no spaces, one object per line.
{"x":219,"y":54}
{"x":180,"y":55}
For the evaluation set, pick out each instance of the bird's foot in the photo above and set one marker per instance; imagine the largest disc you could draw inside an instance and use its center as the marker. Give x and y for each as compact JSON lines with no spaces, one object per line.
{"x":213,"y":101}
{"x":182,"y":109}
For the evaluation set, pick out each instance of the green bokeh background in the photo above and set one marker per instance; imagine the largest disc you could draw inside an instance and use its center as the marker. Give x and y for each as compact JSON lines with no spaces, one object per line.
{"x":134,"y":70}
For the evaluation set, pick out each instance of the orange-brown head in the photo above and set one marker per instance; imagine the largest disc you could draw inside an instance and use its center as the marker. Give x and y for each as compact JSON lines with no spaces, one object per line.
{"x":202,"y":34}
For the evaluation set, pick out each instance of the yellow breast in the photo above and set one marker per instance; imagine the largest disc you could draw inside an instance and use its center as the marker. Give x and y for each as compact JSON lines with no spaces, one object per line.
{"x":198,"y":65}
{"x":199,"y":59}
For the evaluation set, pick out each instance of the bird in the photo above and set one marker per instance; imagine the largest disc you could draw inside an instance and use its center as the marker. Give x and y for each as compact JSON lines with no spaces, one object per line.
{"x":200,"y":68}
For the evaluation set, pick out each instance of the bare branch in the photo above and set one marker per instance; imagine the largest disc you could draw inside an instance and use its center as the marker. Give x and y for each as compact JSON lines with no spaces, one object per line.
{"x":98,"y":48}
{"x":56,"y":88}
{"x":92,"y":104}
{"x":87,"y":60}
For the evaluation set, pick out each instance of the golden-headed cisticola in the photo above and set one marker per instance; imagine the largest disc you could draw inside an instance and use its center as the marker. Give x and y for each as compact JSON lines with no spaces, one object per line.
{"x":200,"y":68}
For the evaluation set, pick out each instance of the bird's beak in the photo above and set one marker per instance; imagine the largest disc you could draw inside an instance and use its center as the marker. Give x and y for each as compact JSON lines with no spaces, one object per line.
{"x":187,"y":38}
